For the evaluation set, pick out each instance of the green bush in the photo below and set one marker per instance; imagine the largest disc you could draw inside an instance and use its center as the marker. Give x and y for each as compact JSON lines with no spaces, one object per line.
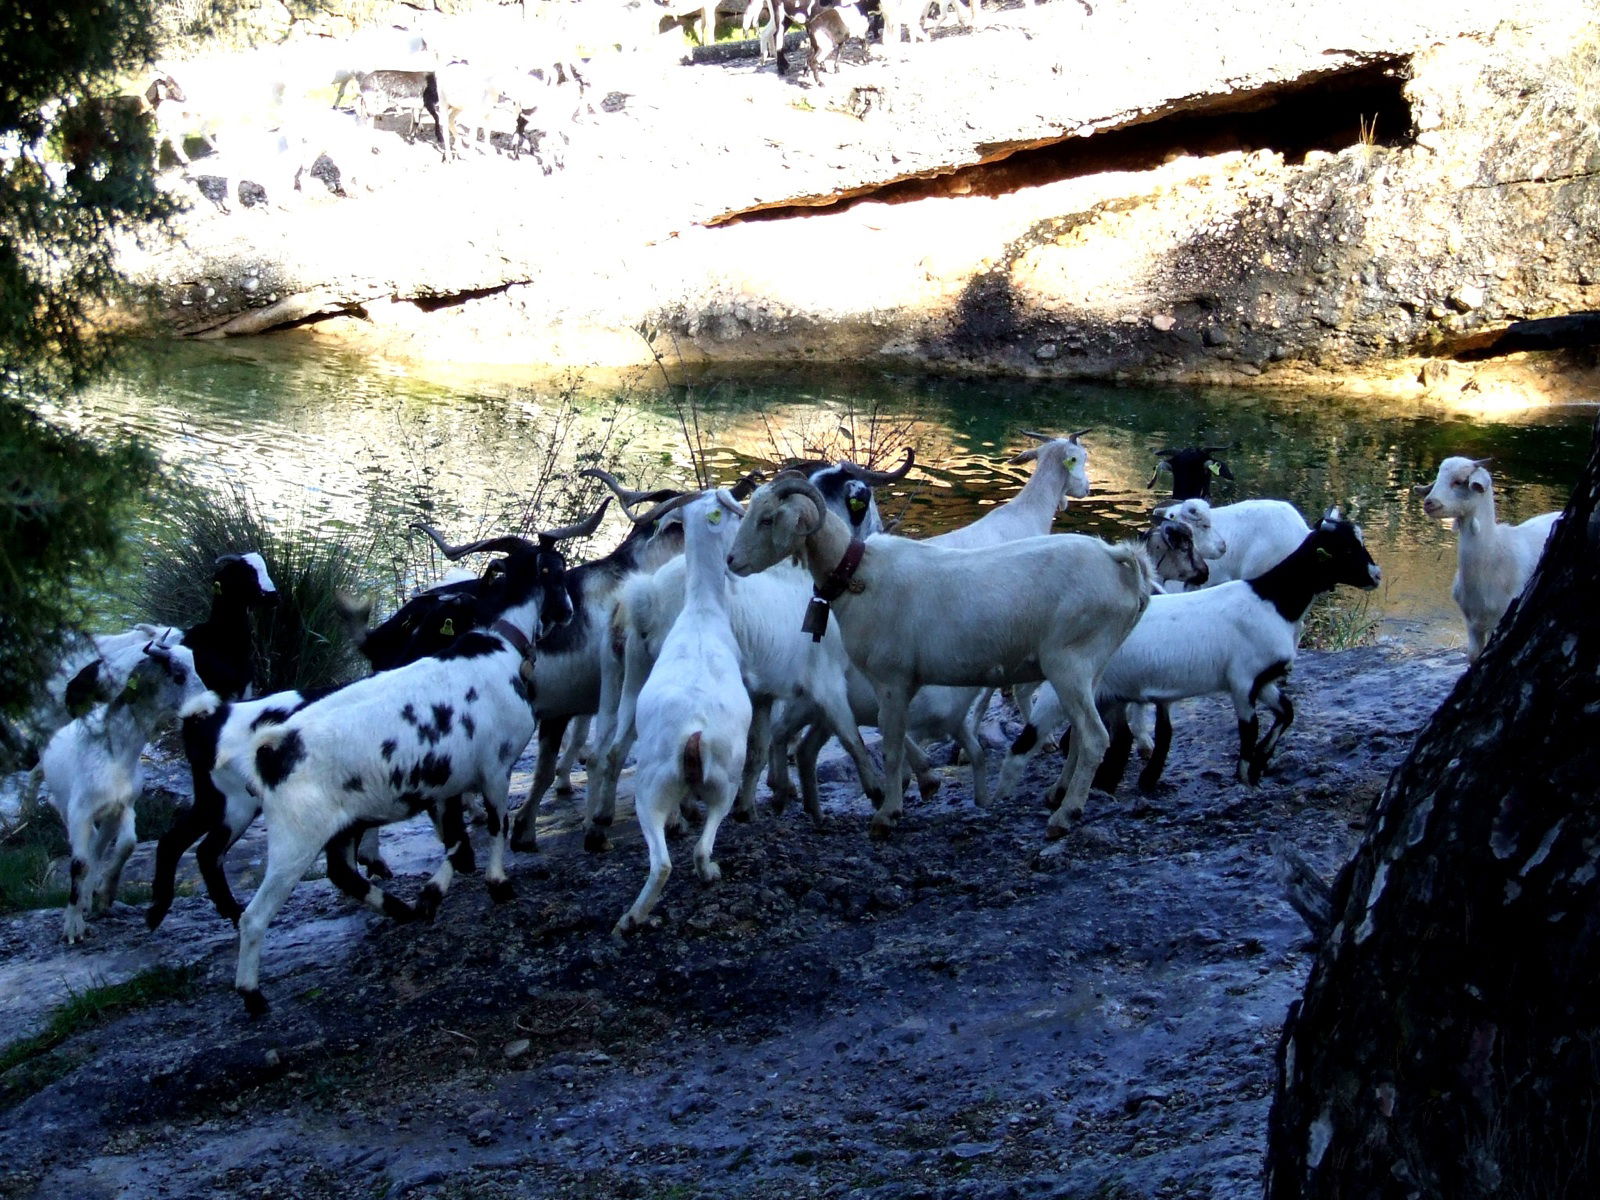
{"x":301,"y":640}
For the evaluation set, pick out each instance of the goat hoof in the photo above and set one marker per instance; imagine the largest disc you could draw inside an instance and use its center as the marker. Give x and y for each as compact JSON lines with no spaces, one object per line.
{"x":595,"y":841}
{"x":881,"y":830}
{"x":501,"y":890}
{"x":744,"y":815}
{"x":255,"y":1004}
{"x":153,"y":917}
{"x":427,"y":902}
{"x":564,"y":789}
{"x":929,"y":788}
{"x":377,"y":869}
{"x":1054,"y":833}
{"x":524,"y":845}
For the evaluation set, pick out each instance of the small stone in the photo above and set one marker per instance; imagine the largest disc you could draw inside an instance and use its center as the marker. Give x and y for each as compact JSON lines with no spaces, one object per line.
{"x":1466,"y":298}
{"x":1045,"y":352}
{"x":1215,"y":335}
{"x":518,"y":1048}
{"x":1165,"y":322}
{"x":273,"y":1058}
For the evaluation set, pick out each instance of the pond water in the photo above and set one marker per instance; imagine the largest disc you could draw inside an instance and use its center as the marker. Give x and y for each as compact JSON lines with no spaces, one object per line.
{"x":322,"y":438}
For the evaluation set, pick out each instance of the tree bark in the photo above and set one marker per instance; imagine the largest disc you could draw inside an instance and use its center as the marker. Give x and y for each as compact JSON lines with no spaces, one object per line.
{"x":1448,"y":1042}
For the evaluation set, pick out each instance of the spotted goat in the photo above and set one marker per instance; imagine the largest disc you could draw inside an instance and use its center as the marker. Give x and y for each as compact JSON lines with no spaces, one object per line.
{"x":392,"y":745}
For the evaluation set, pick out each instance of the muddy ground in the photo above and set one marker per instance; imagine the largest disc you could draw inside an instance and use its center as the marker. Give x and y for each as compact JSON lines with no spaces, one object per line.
{"x":966,"y":1010}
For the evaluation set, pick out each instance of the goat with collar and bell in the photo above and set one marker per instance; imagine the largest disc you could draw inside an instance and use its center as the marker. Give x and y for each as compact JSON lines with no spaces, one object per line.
{"x":1053,"y":607}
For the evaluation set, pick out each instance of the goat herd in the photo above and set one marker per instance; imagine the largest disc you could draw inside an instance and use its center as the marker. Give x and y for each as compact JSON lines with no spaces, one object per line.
{"x":727,"y":624}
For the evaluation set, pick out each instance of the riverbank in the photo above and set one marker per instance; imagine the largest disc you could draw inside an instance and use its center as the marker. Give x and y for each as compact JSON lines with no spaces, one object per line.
{"x":966,"y":1010}
{"x":1365,"y":196}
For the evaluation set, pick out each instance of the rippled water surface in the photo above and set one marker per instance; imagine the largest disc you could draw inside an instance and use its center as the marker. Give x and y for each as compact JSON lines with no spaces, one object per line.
{"x":320,"y":437}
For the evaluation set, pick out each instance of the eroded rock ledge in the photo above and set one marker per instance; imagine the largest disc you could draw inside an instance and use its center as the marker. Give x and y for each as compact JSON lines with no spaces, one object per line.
{"x":1269,"y":196}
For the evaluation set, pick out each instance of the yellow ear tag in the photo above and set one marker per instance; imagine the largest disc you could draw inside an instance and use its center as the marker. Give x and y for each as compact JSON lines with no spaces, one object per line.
{"x":448,"y":629}
{"x":714,"y":517}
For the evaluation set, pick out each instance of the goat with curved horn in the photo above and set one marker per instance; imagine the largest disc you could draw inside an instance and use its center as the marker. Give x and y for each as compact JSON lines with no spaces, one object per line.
{"x":578,"y":529}
{"x":503,"y":544}
{"x":626,"y":496}
{"x":791,"y":483}
{"x":662,"y":509}
{"x":879,"y":478}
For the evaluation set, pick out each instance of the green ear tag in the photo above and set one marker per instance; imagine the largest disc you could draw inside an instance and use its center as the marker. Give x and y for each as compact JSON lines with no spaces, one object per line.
{"x":216,"y":588}
{"x":714,"y":517}
{"x":1214,"y":467}
{"x":448,"y":629}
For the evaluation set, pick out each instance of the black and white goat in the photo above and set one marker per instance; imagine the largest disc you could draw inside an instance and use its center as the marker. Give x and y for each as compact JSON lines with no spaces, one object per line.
{"x":1239,"y":637}
{"x":224,"y":653}
{"x":391,"y":745}
{"x":92,"y":769}
{"x":1192,"y":469}
{"x":913,"y":614}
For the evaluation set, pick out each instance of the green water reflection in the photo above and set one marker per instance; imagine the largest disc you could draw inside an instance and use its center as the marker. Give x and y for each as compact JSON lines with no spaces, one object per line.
{"x":322,"y":437}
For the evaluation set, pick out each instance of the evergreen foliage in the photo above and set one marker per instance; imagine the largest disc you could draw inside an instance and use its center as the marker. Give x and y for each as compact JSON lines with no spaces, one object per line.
{"x":75,"y":166}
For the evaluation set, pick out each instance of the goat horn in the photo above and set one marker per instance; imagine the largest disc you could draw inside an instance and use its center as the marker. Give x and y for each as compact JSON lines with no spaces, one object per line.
{"x":747,"y":484}
{"x":627,"y":496}
{"x":1483,"y":462}
{"x":662,"y":509}
{"x":577,"y":529}
{"x":792,"y":483}
{"x":504,"y":543}
{"x":878,"y":478}
{"x":1072,"y":437}
{"x":1037,"y":436}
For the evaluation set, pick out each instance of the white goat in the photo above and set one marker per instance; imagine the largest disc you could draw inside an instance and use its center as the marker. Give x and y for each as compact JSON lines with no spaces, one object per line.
{"x":911,"y":614}
{"x":388,"y":746}
{"x":1061,"y":472}
{"x":1239,"y":637}
{"x":1493,"y":561}
{"x":765,"y":615}
{"x":1240,"y":540}
{"x":693,"y":713}
{"x":92,"y":769}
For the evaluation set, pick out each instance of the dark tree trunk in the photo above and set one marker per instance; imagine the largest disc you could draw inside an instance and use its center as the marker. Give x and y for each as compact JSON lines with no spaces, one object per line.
{"x":1448,"y":1043}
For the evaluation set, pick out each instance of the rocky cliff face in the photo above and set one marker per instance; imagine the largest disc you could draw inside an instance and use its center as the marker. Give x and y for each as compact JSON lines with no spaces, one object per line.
{"x":1275,"y":193}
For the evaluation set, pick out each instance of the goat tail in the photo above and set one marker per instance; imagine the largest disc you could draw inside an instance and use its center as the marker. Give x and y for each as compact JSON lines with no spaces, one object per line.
{"x":1131,"y":555}
{"x":203,"y":705}
{"x":240,"y":763}
{"x":694,"y":766}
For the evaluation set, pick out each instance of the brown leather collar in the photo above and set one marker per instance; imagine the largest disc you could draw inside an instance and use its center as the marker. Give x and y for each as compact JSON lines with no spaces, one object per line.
{"x":519,"y":640}
{"x":842,"y":578}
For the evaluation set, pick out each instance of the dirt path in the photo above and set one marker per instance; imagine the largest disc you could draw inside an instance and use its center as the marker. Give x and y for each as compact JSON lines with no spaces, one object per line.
{"x":965,"y":1011}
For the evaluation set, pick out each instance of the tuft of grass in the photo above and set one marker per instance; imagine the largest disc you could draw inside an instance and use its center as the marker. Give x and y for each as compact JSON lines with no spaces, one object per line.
{"x":29,"y":844}
{"x":301,"y":640}
{"x":1341,"y":621}
{"x":32,"y":1062}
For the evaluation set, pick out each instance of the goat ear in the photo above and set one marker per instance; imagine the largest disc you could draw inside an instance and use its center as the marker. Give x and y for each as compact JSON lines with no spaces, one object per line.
{"x":1026,"y":456}
{"x":1421,"y":489}
{"x":1156,"y":474}
{"x":1477,"y":486}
